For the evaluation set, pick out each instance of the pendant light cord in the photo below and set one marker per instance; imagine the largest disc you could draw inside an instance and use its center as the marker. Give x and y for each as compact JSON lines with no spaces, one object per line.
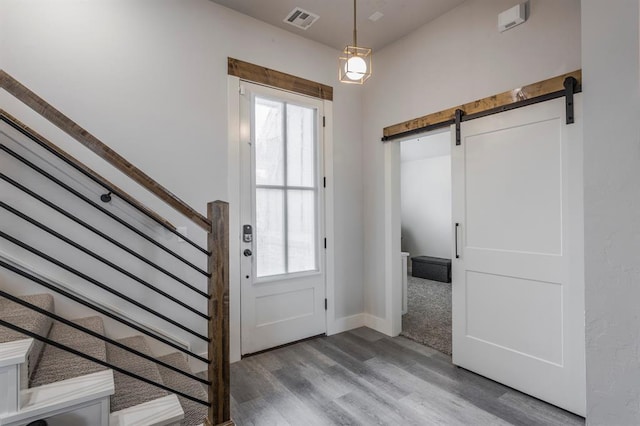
{"x":355,"y":31}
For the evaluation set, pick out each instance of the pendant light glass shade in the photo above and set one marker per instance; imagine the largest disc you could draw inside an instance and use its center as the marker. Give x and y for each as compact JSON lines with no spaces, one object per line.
{"x":354,"y":66}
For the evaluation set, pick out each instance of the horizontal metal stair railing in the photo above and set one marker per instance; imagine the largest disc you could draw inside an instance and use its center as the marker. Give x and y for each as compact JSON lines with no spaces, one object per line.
{"x":108,"y":186}
{"x":97,"y":361}
{"x":99,"y":336}
{"x":80,"y":301}
{"x":215,"y":224}
{"x":100,"y":208}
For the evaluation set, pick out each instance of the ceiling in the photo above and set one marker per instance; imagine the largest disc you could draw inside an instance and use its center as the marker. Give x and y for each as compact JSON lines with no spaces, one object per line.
{"x":335,"y":26}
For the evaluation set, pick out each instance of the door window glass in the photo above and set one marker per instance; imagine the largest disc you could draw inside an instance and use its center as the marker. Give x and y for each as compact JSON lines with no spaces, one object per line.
{"x":269,"y":142}
{"x":285,"y":178}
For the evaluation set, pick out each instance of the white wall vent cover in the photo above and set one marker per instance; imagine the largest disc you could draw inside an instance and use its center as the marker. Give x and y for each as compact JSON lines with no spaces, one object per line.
{"x":300,"y":18}
{"x":512,"y":17}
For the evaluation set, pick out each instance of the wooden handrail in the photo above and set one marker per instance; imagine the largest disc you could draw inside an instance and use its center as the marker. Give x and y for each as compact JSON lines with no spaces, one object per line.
{"x":218,"y":265}
{"x":78,"y":164}
{"x":73,"y":129}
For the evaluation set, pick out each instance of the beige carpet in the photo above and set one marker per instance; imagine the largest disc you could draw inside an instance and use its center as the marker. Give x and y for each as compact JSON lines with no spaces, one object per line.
{"x":428,"y":318}
{"x":57,"y":364}
{"x":194,"y":413}
{"x":29,"y":320}
{"x":50,"y":364}
{"x":129,"y":391}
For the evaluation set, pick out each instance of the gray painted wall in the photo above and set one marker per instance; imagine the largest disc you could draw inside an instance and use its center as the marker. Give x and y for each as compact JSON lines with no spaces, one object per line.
{"x":149,"y":78}
{"x":612,"y":210}
{"x":425,"y":192}
{"x":456,"y":58}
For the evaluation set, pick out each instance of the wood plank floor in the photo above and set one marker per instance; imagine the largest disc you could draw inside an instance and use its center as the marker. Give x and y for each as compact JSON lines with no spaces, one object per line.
{"x":362,"y":377}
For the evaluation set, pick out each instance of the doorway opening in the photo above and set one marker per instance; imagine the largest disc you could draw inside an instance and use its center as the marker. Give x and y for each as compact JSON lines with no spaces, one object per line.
{"x":425,"y":217}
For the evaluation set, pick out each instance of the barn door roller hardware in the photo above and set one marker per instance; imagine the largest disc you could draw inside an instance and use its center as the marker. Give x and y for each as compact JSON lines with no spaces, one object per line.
{"x":459,"y":114}
{"x":570,"y":85}
{"x":566,"y":85}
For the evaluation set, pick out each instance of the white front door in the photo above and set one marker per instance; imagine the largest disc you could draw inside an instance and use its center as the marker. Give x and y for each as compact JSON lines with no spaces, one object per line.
{"x":282,"y":215}
{"x":518,"y":280}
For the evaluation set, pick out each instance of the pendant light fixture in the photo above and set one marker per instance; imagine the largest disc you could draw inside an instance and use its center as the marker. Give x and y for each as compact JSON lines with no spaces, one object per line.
{"x":354,"y":66}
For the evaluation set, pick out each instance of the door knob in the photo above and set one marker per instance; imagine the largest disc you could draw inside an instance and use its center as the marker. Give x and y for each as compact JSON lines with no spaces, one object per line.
{"x":247,"y":252}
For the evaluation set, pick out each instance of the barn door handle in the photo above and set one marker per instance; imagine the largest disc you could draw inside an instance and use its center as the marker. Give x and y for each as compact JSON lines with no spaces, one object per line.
{"x":457,"y":226}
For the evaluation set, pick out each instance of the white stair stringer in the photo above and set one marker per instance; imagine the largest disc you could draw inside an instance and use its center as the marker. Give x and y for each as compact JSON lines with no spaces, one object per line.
{"x":66,"y":390}
{"x":14,"y":357}
{"x":83,"y":400}
{"x":80,"y":400}
{"x":158,"y":412}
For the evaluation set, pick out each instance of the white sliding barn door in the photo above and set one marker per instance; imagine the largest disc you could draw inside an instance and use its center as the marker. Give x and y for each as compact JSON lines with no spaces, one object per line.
{"x":518,"y":283}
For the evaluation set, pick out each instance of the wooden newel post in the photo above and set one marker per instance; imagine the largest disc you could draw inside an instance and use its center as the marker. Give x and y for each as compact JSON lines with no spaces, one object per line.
{"x":218,"y":267}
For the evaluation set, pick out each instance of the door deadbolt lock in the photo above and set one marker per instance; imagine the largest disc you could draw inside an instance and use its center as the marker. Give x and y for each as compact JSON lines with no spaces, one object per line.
{"x":247,"y":234}
{"x":247,"y":252}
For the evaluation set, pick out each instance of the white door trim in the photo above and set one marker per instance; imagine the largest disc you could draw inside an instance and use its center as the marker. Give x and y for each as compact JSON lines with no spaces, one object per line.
{"x":392,"y":231}
{"x":234,"y":180}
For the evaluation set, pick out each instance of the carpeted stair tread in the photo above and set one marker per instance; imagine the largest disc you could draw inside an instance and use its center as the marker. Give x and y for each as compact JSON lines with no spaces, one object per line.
{"x":194,"y":413}
{"x":130,"y":391}
{"x":29,"y":320}
{"x":57,"y":364}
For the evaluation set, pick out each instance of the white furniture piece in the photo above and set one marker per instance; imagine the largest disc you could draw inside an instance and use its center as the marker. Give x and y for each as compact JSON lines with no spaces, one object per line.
{"x":404,"y":270}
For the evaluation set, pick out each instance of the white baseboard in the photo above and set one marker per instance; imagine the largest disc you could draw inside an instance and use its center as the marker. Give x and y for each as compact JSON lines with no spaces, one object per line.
{"x":377,"y":324}
{"x":360,"y":320}
{"x":338,"y":326}
{"x":346,"y":324}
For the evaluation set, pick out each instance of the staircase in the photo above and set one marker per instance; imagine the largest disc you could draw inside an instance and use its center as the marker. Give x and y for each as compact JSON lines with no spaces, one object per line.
{"x":64,"y":245}
{"x":48,"y":365}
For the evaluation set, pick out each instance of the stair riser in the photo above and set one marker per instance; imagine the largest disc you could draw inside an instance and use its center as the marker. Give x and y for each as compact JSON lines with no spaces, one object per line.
{"x":29,"y":320}
{"x":56,"y":364}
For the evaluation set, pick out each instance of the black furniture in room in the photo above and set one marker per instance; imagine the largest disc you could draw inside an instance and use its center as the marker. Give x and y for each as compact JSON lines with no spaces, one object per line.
{"x":431,"y":268}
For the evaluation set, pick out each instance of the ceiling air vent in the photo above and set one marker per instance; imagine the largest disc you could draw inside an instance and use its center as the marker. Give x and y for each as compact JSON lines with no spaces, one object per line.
{"x":300,"y":18}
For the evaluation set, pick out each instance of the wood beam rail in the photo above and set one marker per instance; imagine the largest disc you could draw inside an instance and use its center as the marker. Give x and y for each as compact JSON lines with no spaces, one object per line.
{"x":218,"y":265}
{"x":273,"y":78}
{"x":447,"y":116}
{"x":104,"y":182}
{"x":74,"y":130}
